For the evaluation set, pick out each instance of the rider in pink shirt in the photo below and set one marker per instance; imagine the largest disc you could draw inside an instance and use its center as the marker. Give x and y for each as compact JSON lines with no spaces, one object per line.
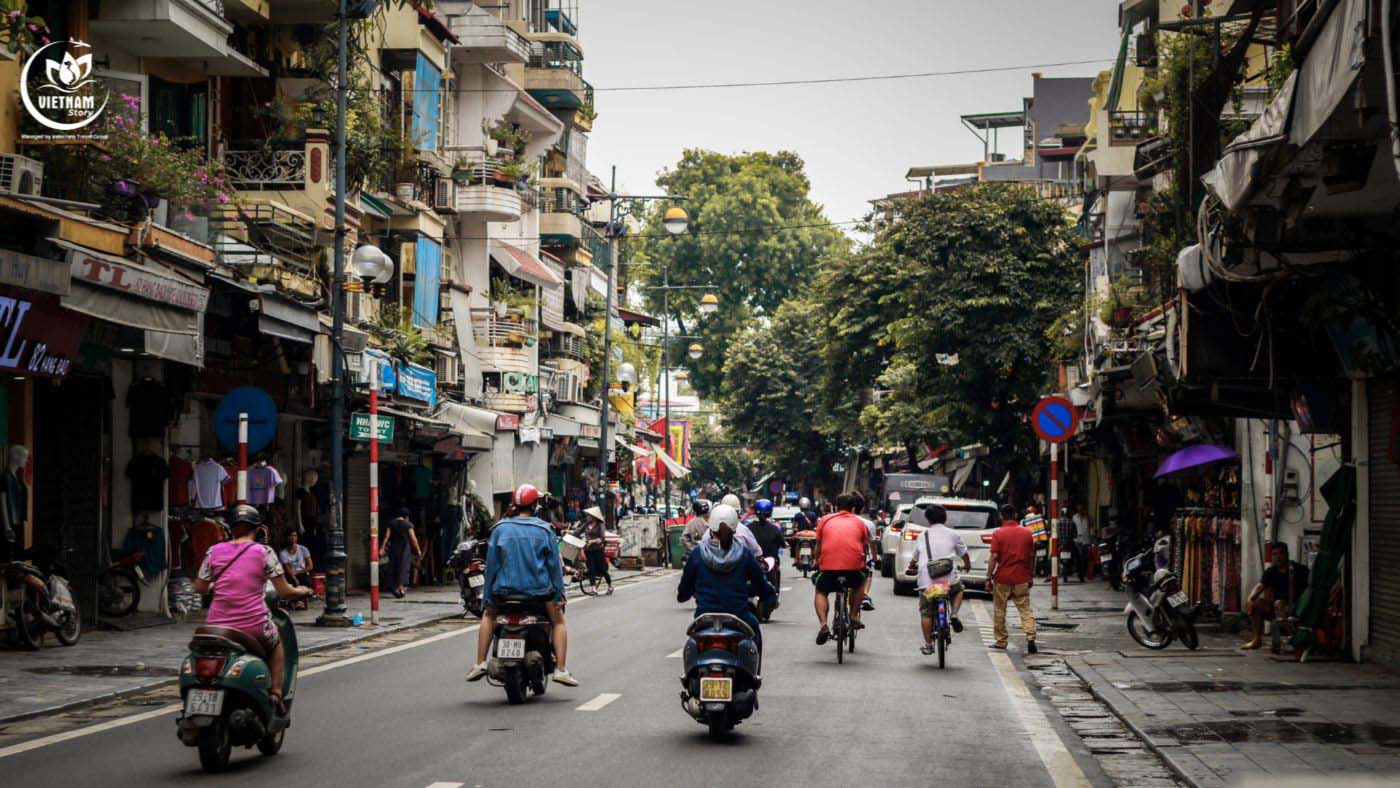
{"x":236,"y":572}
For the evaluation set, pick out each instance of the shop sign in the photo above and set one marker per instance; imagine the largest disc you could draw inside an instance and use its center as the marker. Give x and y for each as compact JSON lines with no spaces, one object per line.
{"x":35,"y":273}
{"x":418,"y":383}
{"x":520,"y":383}
{"x":507,"y":422}
{"x":590,"y":431}
{"x":529,"y":434}
{"x":546,"y":433}
{"x":37,"y":336}
{"x":131,"y":280}
{"x":359,"y":427}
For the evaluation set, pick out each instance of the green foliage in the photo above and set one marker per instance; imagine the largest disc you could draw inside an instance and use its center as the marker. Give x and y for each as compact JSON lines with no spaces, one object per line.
{"x":732,"y":201}
{"x":625,"y":349}
{"x":19,"y":33}
{"x":507,"y":136}
{"x":156,"y":164}
{"x":713,"y":463}
{"x":504,"y":291}
{"x":408,"y":344}
{"x":983,"y":273}
{"x":367,"y":157}
{"x":768,"y":394}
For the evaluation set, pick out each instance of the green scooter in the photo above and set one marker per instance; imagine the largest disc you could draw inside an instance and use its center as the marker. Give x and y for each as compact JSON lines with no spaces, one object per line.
{"x":224,"y":686}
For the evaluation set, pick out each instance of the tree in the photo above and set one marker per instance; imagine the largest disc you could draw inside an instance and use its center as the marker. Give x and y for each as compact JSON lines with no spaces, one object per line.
{"x":980,"y":273}
{"x":768,"y":394}
{"x":714,"y":460}
{"x":736,"y":205}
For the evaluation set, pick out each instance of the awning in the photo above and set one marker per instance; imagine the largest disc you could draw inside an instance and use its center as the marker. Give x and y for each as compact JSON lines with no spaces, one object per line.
{"x":1236,"y":176}
{"x":183,"y":348}
{"x":287,"y":319}
{"x":677,"y":470}
{"x":418,"y":418}
{"x":564,"y":426}
{"x":1329,"y":68}
{"x":373,"y":206}
{"x":476,"y":426}
{"x":470,"y":374}
{"x":523,"y":265}
{"x":628,"y":316}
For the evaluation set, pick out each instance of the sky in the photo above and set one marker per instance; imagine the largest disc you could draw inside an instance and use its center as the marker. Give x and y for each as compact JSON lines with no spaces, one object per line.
{"x":858,"y":139}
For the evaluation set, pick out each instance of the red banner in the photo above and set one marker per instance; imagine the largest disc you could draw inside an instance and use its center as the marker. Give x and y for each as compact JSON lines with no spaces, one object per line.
{"x":37,"y":335}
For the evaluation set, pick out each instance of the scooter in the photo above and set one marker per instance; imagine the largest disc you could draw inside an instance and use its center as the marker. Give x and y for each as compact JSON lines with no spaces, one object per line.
{"x":119,"y":586}
{"x":224,"y":683}
{"x":1158,"y":610}
{"x":471,"y":574}
{"x":803,"y":556}
{"x":770,"y":569}
{"x":522,"y":651}
{"x":721,"y":681}
{"x":37,"y":600}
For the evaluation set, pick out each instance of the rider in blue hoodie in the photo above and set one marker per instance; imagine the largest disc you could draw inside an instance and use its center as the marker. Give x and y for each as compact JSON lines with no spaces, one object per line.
{"x":721,"y":574}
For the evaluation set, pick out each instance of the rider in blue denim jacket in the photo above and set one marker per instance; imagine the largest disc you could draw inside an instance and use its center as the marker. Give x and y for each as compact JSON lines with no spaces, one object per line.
{"x":522,"y":559}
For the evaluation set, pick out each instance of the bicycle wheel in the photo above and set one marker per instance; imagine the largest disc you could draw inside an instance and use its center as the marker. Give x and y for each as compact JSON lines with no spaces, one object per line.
{"x":942,"y":648}
{"x":588,"y":585}
{"x":840,"y":625}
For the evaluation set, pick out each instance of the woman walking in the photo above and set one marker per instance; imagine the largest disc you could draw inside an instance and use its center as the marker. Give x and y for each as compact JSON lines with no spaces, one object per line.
{"x":595,"y":545}
{"x":401,"y":545}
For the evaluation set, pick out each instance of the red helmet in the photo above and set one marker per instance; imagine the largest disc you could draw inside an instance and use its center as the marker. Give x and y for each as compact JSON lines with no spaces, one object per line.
{"x":525,"y":495}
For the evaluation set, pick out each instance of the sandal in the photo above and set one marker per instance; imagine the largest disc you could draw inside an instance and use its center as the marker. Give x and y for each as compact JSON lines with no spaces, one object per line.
{"x":276,"y":698}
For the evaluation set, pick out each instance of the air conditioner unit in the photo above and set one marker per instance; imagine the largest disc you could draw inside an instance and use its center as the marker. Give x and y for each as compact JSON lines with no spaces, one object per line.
{"x":442,"y":195}
{"x":21,"y":174}
{"x":447,"y":369}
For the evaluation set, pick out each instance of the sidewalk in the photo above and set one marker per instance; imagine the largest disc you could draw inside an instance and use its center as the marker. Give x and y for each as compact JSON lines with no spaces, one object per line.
{"x":1219,"y":715}
{"x":107,"y":664}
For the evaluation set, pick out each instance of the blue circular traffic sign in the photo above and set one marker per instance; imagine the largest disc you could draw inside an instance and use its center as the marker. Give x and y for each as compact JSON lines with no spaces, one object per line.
{"x":262,"y":418}
{"x":1055,"y":419}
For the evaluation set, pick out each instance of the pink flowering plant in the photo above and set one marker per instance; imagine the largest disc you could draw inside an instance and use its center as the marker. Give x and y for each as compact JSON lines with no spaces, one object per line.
{"x":152,"y":165}
{"x":20,"y":33}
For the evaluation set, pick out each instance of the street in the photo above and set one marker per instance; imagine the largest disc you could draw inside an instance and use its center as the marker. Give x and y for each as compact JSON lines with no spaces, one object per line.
{"x":404,"y":716}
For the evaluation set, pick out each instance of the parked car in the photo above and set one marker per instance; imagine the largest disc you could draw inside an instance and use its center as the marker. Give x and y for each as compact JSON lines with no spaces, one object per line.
{"x":973,"y":520}
{"x":889,"y":538}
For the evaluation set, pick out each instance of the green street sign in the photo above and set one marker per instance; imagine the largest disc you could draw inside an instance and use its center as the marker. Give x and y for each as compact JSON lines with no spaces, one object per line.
{"x":359,"y":427}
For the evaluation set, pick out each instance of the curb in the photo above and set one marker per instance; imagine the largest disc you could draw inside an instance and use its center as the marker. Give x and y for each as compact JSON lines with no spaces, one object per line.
{"x":1141,"y":735}
{"x":166,"y":682}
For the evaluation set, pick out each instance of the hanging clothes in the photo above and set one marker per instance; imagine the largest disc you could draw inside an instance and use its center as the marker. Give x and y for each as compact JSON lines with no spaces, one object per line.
{"x":180,"y":472}
{"x":147,"y":473}
{"x":262,"y":485}
{"x":152,"y":409}
{"x":204,"y":534}
{"x":150,"y":541}
{"x":230,"y":485}
{"x":206,"y":485}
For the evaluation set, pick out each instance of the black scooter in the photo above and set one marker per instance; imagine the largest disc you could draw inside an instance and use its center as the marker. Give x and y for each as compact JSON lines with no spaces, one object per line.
{"x":721,"y":678}
{"x":763,"y":609}
{"x":522,"y":651}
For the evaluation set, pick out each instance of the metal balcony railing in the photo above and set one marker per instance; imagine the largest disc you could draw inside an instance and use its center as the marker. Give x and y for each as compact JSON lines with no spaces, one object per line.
{"x":494,"y":331}
{"x":556,"y":54}
{"x":266,"y":168}
{"x":561,"y":200}
{"x":565,"y":346}
{"x":1131,"y":126}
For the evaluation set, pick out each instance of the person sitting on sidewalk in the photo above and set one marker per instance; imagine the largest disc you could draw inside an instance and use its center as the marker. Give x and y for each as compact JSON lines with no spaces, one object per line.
{"x":296,"y":562}
{"x":1277,"y":591}
{"x":1009,"y":576}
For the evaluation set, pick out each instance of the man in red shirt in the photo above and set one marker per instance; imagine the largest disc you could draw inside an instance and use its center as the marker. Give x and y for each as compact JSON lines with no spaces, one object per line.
{"x":1009,"y":572}
{"x":843,"y":544}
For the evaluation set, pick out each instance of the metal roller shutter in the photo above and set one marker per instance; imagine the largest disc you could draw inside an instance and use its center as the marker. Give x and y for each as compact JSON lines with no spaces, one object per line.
{"x":357,"y":522}
{"x":1385,"y":524}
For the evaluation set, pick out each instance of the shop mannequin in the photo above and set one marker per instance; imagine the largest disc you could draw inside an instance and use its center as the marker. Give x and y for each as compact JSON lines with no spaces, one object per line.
{"x":306,"y":503}
{"x":14,"y":497}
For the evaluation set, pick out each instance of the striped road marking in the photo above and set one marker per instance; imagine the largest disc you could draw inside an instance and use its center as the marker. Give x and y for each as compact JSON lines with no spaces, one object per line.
{"x":680,"y":652}
{"x":599,"y":702}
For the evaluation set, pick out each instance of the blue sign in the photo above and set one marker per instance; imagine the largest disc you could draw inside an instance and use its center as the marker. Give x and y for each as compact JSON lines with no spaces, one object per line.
{"x":262,"y":418}
{"x":388,"y":380}
{"x":1054,"y":419}
{"x":418,"y":383}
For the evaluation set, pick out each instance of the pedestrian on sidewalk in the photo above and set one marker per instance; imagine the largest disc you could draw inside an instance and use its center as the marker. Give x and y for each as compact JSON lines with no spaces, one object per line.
{"x":595,"y":546}
{"x":1009,"y":572}
{"x":1081,"y":542}
{"x":1276,"y":593}
{"x":401,"y":545}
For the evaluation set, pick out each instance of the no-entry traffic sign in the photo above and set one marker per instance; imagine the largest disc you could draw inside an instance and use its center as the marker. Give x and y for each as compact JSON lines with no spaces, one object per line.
{"x":1054,"y":419}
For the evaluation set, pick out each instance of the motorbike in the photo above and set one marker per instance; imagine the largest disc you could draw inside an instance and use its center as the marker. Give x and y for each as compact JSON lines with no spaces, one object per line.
{"x":119,"y":586}
{"x":38,"y":600}
{"x":522,"y":652}
{"x":223,"y":685}
{"x":471,"y":574}
{"x":1158,"y":610}
{"x":721,"y":680}
{"x":806,"y":548}
{"x":771,"y":571}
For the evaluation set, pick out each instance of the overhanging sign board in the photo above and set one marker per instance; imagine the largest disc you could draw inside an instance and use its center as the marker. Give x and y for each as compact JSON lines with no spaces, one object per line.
{"x":359,"y":427}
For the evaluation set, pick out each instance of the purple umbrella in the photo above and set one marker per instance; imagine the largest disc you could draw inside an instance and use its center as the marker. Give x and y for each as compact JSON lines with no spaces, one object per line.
{"x":1194,"y":458}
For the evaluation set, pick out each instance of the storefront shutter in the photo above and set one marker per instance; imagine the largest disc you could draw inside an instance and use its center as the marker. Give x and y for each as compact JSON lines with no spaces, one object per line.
{"x":357,"y":522}
{"x":1384,"y":523}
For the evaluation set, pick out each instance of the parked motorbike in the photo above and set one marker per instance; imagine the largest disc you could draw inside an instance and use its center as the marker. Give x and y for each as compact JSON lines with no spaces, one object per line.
{"x":1158,"y":610}
{"x":522,"y":652}
{"x":471,"y":574}
{"x":119,"y":586}
{"x":38,"y":600}
{"x":223,"y":684}
{"x":772,"y":572}
{"x":721,"y":680}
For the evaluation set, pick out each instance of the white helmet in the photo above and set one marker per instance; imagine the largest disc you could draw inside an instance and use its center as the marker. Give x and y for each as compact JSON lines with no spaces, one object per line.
{"x":731,"y":500}
{"x":724,"y":513}
{"x":805,"y":503}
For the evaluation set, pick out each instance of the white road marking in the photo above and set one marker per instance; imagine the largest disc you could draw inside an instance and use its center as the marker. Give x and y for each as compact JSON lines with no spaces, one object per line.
{"x":45,"y":741}
{"x":446,"y":785}
{"x":787,"y":588}
{"x":1053,"y":753}
{"x":599,"y":702}
{"x":680,"y":652}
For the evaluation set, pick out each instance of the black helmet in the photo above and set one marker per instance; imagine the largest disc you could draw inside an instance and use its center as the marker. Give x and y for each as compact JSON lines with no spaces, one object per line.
{"x":243,"y":514}
{"x":700,"y":506}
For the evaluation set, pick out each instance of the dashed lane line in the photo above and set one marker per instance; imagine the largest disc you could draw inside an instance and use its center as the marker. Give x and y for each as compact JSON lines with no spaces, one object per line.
{"x":446,"y":785}
{"x":599,"y":702}
{"x":680,"y":652}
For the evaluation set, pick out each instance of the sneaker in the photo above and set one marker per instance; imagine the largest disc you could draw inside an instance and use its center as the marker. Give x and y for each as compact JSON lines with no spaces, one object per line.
{"x":998,"y":646}
{"x":610,"y":591}
{"x":866,"y":604}
{"x":823,"y":635}
{"x":477,"y":672}
{"x":564,"y":677}
{"x":1030,"y":647}
{"x":957,"y":624}
{"x":926,"y":649}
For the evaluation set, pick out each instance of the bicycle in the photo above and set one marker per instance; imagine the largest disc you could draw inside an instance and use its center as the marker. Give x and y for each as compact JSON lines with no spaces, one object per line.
{"x":942,"y":631}
{"x":841,"y":628}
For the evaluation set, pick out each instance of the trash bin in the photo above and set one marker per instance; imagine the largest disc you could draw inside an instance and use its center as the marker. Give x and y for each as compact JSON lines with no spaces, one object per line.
{"x":673,"y":541}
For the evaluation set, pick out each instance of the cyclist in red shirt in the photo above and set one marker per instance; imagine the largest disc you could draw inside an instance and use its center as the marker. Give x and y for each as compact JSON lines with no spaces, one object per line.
{"x":843,"y":545}
{"x":1009,"y":574}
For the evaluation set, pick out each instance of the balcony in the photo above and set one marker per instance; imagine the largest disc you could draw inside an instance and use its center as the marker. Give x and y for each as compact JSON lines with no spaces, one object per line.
{"x":266,"y":168}
{"x":565,"y":346}
{"x":504,"y":344}
{"x":484,"y":189}
{"x":486,"y":39}
{"x":185,"y":29}
{"x":560,"y":385}
{"x":1131,"y":127}
{"x":554,"y":76}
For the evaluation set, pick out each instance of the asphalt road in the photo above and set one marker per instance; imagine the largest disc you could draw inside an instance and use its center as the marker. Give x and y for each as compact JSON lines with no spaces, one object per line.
{"x":888,"y":716}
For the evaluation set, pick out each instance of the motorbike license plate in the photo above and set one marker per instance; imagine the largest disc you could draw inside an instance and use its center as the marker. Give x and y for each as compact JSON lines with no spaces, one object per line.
{"x":805,"y":552}
{"x":716,"y":689}
{"x":1178,"y":599}
{"x":510,"y":648}
{"x":476,"y":581}
{"x":204,"y":703}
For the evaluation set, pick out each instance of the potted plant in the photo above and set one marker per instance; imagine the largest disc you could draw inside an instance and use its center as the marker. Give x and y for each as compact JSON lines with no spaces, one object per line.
{"x":462,"y":170}
{"x":406,"y":176}
{"x":153,"y":167}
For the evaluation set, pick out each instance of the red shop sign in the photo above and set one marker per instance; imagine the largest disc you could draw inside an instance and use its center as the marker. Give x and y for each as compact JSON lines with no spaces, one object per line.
{"x":507,"y":422}
{"x":37,"y":335}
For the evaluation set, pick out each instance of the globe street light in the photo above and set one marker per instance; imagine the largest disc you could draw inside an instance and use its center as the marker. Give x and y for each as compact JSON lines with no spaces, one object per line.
{"x":708,"y":304}
{"x":370,"y":264}
{"x":696,"y":350}
{"x":675,"y":220}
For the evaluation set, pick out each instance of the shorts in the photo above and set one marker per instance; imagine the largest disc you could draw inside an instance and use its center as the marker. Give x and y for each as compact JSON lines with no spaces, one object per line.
{"x":826,"y":580}
{"x":926,"y":602}
{"x":267,"y":633}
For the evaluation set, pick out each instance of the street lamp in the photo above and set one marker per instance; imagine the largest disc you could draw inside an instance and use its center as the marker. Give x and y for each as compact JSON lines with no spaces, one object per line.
{"x":709,"y":303}
{"x":675,"y":220}
{"x":371,"y":265}
{"x":696,"y":350}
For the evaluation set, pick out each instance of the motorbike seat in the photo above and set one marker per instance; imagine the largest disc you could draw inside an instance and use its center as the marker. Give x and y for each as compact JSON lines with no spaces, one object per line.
{"x":520,"y":602}
{"x":719,"y":621}
{"x":205,"y":634}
